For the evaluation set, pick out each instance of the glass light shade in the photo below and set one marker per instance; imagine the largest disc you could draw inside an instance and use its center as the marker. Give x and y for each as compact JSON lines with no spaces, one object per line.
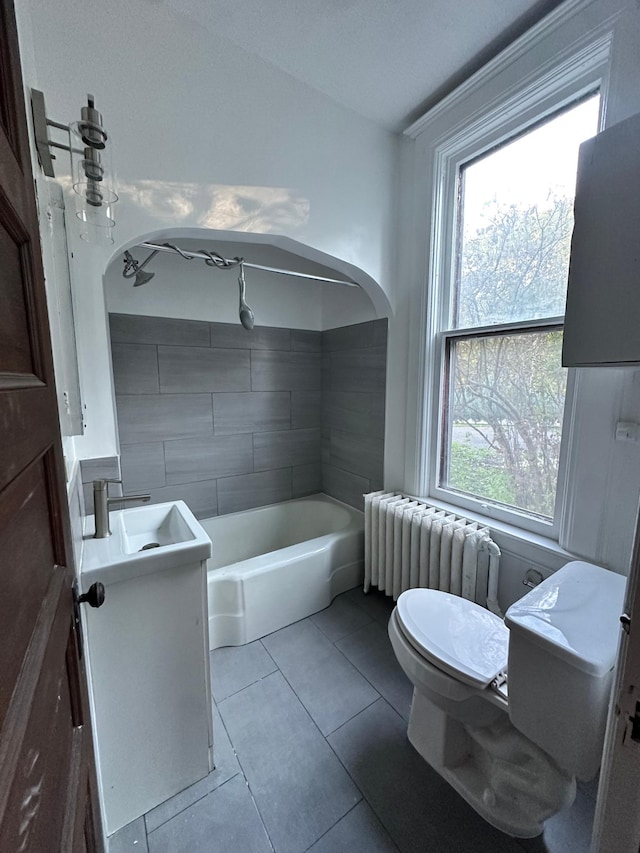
{"x":95,"y":193}
{"x":96,"y":223}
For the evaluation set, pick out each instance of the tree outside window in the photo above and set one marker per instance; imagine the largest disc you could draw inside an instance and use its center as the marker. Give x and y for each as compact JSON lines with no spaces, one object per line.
{"x":504,"y":390}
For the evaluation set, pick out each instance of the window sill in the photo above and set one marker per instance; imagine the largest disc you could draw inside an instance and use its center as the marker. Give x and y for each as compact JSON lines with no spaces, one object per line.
{"x":524,"y":543}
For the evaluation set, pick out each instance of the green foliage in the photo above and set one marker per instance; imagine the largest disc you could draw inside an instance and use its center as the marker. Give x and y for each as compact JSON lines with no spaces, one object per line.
{"x":510,"y":388}
{"x":515,"y":268}
{"x":479,"y":471}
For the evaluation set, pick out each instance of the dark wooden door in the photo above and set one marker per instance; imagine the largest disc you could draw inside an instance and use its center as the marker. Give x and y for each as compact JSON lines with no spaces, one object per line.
{"x":47,"y":772}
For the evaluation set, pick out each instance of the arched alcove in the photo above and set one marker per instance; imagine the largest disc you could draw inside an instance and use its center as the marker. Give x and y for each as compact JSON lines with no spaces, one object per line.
{"x":226,"y":418}
{"x":192,"y":290}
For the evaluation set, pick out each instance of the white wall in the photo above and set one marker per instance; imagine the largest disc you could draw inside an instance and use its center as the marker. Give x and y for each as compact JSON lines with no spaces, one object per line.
{"x":204,"y":136}
{"x":604,"y":475}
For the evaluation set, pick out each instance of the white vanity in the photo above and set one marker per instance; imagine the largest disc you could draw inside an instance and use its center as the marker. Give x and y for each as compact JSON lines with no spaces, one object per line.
{"x":148,"y":657}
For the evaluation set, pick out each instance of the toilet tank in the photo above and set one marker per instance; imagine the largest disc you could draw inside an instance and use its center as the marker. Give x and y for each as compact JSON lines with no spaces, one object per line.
{"x":562,"y":650}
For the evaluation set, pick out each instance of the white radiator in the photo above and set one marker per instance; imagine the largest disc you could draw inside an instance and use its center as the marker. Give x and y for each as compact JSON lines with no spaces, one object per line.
{"x":409,"y":544}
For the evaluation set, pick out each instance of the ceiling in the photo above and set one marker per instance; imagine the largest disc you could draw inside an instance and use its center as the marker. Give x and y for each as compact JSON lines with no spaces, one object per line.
{"x":388,"y":60}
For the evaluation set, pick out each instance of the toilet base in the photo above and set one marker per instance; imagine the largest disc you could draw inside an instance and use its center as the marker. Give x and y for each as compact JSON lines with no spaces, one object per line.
{"x":506,"y":778}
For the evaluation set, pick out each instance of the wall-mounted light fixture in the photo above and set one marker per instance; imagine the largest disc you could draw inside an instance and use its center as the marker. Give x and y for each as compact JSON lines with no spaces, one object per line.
{"x":92,"y":176}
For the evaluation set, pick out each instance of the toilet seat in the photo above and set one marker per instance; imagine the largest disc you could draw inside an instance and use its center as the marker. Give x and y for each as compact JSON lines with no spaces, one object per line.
{"x":458,"y":636}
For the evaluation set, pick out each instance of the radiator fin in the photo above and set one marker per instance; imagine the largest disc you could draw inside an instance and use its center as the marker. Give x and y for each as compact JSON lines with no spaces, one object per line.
{"x":409,"y":544}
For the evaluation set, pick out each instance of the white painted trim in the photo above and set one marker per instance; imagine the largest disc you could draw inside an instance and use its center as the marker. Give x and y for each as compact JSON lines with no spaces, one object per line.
{"x":556,"y":83}
{"x":515,"y":51}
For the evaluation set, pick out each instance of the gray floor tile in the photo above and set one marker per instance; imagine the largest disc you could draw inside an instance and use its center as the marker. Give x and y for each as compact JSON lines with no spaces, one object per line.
{"x":326,"y":683}
{"x":226,"y":768}
{"x":358,"y":832}
{"x":567,"y":832}
{"x":419,"y":810}
{"x":132,"y":838}
{"x":224,"y":820}
{"x":590,"y":788}
{"x":236,"y":667}
{"x":369,"y":650}
{"x":341,"y":618}
{"x":299,"y":785}
{"x":375,"y":603}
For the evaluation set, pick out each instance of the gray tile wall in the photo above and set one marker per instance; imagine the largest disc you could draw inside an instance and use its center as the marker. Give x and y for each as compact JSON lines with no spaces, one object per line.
{"x":228,"y":419}
{"x":103,"y":468}
{"x":353,"y":399}
{"x":223,"y":418}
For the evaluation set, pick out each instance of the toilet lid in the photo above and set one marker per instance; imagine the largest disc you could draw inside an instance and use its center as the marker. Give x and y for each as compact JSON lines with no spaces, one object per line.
{"x":456,"y":635}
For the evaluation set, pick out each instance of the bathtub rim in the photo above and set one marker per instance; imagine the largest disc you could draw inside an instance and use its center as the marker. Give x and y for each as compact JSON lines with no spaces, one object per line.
{"x":288,"y":552}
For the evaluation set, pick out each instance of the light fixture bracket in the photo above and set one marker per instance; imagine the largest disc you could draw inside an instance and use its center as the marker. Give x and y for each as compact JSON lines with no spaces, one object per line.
{"x":90,"y":165}
{"x":41,"y":125}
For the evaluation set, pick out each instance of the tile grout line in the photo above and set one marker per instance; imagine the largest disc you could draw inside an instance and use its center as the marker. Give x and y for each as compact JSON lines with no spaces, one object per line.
{"x":244,"y":775}
{"x":193,"y":803}
{"x":364,"y":796}
{"x":354,"y":806}
{"x":373,"y":701}
{"x":240,"y":689}
{"x":313,"y":722}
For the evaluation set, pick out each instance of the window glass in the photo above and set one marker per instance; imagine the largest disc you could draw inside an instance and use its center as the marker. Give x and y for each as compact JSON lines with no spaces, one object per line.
{"x":503,"y":393}
{"x":516,"y":219}
{"x":505,"y":418}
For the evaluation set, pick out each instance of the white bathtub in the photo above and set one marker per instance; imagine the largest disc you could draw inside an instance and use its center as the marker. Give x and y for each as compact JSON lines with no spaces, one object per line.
{"x":276,"y":564}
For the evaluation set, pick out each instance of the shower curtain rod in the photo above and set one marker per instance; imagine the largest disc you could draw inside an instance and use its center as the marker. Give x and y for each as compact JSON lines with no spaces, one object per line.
{"x":159,"y":247}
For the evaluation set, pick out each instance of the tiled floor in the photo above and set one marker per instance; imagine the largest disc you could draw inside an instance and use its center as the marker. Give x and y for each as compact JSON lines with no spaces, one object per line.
{"x":311,"y":754}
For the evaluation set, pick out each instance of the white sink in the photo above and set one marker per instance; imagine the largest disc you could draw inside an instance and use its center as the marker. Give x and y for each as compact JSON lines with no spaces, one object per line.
{"x":170,"y":532}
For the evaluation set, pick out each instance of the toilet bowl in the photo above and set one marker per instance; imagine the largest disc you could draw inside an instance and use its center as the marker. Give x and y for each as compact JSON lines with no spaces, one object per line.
{"x":510,"y":713}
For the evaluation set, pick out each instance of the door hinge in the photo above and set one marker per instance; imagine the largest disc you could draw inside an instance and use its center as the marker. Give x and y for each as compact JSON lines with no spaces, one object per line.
{"x":631,"y":714}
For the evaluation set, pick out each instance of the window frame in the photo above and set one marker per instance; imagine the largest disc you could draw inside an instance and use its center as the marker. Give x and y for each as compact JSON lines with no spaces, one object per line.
{"x":527,"y":107}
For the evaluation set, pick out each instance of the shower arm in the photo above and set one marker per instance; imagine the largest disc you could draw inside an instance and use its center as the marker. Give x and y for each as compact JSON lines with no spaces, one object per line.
{"x":229,"y":263}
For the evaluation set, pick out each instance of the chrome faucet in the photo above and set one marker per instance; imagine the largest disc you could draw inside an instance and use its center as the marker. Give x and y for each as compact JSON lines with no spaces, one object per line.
{"x":101,"y":503}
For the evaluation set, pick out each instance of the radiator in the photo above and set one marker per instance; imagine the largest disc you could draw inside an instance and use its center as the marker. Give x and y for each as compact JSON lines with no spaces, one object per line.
{"x":409,"y":544}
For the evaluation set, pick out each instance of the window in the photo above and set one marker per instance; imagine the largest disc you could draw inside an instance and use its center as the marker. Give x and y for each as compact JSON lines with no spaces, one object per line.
{"x":502,"y":388}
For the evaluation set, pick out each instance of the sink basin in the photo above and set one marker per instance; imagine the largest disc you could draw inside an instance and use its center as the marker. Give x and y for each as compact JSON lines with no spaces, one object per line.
{"x":154,"y":526}
{"x":144,"y":539}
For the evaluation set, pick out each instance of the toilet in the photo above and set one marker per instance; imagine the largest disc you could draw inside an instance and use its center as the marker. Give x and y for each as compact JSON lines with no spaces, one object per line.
{"x":512,"y":713}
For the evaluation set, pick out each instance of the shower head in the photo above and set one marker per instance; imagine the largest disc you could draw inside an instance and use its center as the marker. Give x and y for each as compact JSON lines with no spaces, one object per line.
{"x":246,"y":314}
{"x":134,"y":269}
{"x":246,"y":318}
{"x":142,"y":277}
